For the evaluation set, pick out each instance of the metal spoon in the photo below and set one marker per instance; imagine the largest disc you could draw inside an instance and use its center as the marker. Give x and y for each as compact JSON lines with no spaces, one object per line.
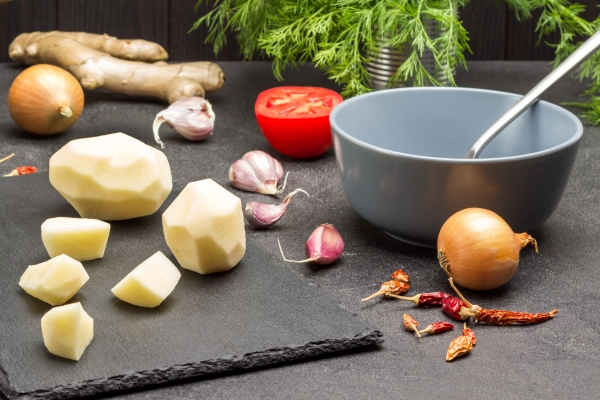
{"x":579,"y":55}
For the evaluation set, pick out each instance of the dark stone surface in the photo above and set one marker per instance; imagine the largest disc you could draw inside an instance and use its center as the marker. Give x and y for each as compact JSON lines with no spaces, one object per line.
{"x":557,"y":359}
{"x":259,"y":313}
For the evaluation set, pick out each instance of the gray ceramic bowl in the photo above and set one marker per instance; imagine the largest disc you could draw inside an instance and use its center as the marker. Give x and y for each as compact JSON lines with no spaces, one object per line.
{"x":400,"y":154}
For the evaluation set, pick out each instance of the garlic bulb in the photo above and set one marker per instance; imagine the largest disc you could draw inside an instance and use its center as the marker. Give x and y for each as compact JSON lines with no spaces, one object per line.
{"x":261,"y":215}
{"x":44,"y":99}
{"x":479,"y":250}
{"x":257,"y":172}
{"x":192,"y":117}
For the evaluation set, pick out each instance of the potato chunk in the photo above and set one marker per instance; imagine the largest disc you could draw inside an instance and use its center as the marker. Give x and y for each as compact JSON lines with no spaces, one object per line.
{"x":54,"y":281}
{"x":80,"y":238}
{"x":204,"y":227}
{"x":67,"y":331}
{"x":111,"y":177}
{"x":149,"y":283}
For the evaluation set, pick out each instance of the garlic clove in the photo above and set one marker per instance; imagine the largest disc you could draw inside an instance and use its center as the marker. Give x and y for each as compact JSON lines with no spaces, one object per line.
{"x":324,"y":246}
{"x":257,"y":172}
{"x":193,"y":126}
{"x":191,"y":117}
{"x":266,"y":167}
{"x":242,"y":176}
{"x":261,"y":215}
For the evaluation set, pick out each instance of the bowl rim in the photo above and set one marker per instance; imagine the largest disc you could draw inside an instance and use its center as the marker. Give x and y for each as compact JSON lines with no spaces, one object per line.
{"x":336,"y":130}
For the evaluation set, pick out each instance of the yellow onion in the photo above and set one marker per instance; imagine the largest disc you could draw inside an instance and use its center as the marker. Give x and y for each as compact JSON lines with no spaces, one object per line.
{"x":45,"y":99}
{"x":479,"y":250}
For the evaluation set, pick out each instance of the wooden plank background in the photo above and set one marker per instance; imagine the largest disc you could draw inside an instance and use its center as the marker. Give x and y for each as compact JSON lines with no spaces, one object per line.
{"x":495,"y":33}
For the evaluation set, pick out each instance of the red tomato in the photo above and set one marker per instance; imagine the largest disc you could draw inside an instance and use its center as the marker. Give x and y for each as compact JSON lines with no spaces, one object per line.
{"x":295,"y":119}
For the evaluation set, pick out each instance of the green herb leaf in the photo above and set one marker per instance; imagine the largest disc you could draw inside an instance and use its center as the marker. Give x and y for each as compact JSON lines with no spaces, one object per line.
{"x":340,"y":36}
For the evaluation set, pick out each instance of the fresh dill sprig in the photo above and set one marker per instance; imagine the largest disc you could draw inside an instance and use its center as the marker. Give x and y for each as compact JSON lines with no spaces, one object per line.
{"x":339,"y":36}
{"x":564,"y":17}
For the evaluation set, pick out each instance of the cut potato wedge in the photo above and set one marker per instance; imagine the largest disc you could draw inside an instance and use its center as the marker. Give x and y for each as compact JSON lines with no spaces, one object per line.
{"x":82,"y":239}
{"x":67,"y":331}
{"x":149,"y":283}
{"x":204,"y":228}
{"x":54,"y":281}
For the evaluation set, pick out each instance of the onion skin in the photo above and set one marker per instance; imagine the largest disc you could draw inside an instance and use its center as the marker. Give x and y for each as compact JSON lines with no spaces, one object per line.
{"x":45,"y":100}
{"x":479,"y":250}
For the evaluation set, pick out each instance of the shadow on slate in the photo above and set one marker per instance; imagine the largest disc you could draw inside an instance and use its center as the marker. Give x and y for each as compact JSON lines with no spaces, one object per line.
{"x":259,"y":313}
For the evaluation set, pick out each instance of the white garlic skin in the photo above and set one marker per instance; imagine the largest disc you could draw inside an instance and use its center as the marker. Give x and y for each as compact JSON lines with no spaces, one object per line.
{"x":191,"y":117}
{"x":257,"y":172}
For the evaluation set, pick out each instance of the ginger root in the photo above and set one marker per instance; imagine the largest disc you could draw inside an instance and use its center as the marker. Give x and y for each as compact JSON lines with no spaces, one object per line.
{"x":133,"y":67}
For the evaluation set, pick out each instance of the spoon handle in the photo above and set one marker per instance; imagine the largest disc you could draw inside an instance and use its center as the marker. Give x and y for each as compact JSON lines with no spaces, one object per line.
{"x":584,"y":51}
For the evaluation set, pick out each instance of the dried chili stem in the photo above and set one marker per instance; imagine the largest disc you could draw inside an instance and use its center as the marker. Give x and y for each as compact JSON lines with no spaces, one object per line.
{"x":410,"y":324}
{"x":7,"y":157}
{"x":414,"y":299}
{"x":390,"y":288}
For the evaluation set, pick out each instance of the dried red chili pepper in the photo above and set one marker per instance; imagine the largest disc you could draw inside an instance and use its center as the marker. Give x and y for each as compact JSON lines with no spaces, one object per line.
{"x":437,"y":327}
{"x":469,"y":332}
{"x":400,"y":276}
{"x":410,"y":324}
{"x":390,"y":287}
{"x":506,"y":317}
{"x":26,"y":169}
{"x":23,"y":170}
{"x":431,"y":299}
{"x":461,"y":345}
{"x":498,"y":317}
{"x":452,"y":306}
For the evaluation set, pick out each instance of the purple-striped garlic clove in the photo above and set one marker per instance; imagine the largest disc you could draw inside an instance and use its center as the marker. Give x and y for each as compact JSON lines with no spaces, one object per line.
{"x":324,"y":246}
{"x":261,"y":215}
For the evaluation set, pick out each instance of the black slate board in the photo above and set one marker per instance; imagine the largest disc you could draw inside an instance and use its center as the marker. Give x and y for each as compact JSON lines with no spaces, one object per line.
{"x":259,"y":313}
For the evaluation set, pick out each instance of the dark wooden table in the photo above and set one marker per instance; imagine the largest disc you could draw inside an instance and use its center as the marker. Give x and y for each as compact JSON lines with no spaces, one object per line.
{"x":557,"y":359}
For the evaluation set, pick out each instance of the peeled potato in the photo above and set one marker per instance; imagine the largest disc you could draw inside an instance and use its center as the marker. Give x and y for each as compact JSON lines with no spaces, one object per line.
{"x":111,"y":177}
{"x":67,"y":331}
{"x":149,"y":283}
{"x":80,"y":238}
{"x":54,"y":281}
{"x":204,"y":228}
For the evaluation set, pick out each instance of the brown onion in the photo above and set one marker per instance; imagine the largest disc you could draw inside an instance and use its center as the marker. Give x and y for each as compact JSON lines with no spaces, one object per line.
{"x":45,"y":99}
{"x":479,"y":250}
